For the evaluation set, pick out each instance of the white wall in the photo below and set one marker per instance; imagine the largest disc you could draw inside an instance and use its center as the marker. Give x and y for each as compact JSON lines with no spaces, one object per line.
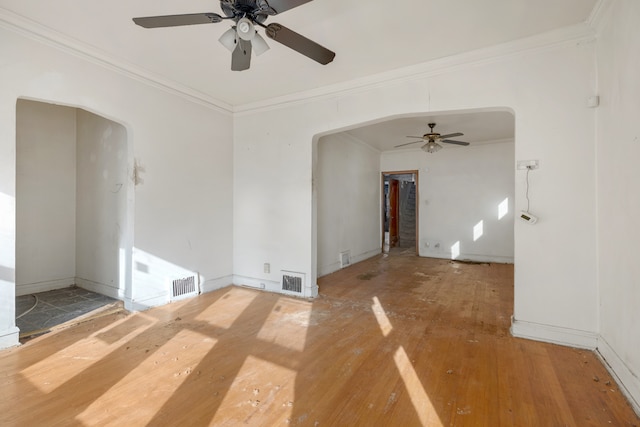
{"x":71,"y":199}
{"x":547,"y":88}
{"x":459,"y":187}
{"x":348,"y":185}
{"x":101,"y":203}
{"x":46,"y":201}
{"x":180,"y":212}
{"x":618,"y":195}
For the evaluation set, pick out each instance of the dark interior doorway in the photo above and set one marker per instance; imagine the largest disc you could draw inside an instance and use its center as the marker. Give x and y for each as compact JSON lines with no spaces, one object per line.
{"x":400,"y":211}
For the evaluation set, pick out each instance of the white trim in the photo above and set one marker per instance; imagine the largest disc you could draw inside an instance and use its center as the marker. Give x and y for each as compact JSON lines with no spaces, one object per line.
{"x":628,"y":382}
{"x":570,"y":35}
{"x":146,"y":304}
{"x":100,"y":288}
{"x":554,"y":334}
{"x":215,"y":284}
{"x":48,"y":285}
{"x":335,"y":266}
{"x":252,"y":282}
{"x":310,"y":291}
{"x":497,"y":259}
{"x":596,"y":18}
{"x":365,"y":255}
{"x":549,"y":40}
{"x":43,"y":34}
{"x":328,"y":269}
{"x":9,"y":338}
{"x":361,"y":143}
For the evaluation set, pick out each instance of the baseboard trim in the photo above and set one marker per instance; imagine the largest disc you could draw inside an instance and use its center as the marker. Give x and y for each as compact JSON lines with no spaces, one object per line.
{"x":308,"y":291}
{"x":496,"y":259}
{"x":335,"y":266}
{"x":252,"y":282}
{"x":100,"y":288}
{"x":328,"y":269}
{"x":9,"y":338}
{"x":365,"y":255}
{"x":628,"y":382}
{"x":554,"y":334}
{"x":146,"y":304}
{"x":48,"y":285}
{"x":215,"y":284}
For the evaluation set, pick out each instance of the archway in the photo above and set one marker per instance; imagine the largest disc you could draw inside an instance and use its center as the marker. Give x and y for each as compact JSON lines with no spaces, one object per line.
{"x":74,"y":201}
{"x":466,"y":189}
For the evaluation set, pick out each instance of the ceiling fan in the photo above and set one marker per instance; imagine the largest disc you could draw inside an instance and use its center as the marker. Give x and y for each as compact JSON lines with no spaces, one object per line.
{"x":432,"y":146}
{"x":242,"y":37}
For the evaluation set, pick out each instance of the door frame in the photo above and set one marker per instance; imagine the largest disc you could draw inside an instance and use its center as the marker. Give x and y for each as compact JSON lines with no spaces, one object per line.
{"x":384,"y":174}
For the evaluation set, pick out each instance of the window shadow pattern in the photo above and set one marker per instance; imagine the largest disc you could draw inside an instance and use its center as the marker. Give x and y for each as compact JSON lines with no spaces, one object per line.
{"x":403,"y":341}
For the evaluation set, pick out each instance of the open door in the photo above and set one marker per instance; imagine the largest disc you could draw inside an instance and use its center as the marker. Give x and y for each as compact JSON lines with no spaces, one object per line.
{"x":400,"y":211}
{"x":394,"y":188}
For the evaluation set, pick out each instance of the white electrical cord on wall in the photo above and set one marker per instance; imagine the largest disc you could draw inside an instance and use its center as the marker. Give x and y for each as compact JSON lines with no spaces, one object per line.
{"x":527,"y":193}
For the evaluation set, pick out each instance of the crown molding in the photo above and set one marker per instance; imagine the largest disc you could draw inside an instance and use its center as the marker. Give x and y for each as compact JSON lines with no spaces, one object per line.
{"x":45,"y":35}
{"x":571,"y":35}
{"x":567,"y":36}
{"x":598,"y":13}
{"x":358,"y":141}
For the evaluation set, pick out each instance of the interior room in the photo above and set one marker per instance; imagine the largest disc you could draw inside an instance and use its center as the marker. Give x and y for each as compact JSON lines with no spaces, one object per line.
{"x":233,"y":198}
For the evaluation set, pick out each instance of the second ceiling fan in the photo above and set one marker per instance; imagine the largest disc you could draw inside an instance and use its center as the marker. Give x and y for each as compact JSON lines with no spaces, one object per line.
{"x":242,"y":38}
{"x":432,"y":139}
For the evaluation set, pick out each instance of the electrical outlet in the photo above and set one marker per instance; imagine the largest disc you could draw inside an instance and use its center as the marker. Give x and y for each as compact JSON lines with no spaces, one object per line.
{"x":528,"y":164}
{"x":267,"y":267}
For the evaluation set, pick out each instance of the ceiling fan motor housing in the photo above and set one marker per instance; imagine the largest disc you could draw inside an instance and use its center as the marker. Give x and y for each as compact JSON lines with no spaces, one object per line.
{"x":245,"y":8}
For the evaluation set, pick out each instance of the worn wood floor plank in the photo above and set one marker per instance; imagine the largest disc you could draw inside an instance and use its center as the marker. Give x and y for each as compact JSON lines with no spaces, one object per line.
{"x":392,"y":341}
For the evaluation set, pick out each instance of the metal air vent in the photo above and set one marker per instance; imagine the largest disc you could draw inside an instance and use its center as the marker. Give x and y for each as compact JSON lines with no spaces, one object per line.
{"x":185,"y":287}
{"x":292,"y":282}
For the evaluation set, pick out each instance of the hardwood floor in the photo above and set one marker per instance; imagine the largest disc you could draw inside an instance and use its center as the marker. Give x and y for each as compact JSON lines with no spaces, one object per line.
{"x":392,"y":341}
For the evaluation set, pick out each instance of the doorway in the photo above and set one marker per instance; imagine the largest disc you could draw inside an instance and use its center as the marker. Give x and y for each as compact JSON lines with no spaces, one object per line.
{"x":400,"y":211}
{"x":72,"y":210}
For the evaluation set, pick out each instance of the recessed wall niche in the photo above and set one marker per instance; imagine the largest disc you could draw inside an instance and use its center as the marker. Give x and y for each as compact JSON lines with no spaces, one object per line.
{"x":71,"y":200}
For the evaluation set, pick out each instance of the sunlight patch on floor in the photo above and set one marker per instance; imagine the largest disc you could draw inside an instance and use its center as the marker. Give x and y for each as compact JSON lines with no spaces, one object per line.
{"x":287,"y":324}
{"x":421,"y":402}
{"x":181,"y":366}
{"x":226,"y":310}
{"x":381,"y":317}
{"x":69,"y":362}
{"x":260,"y":387}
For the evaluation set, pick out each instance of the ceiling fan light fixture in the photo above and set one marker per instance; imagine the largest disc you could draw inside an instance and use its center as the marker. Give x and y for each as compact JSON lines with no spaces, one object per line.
{"x":259,"y":45}
{"x":247,"y":14}
{"x":246,"y":30}
{"x":228,"y":39}
{"x":431,"y":147}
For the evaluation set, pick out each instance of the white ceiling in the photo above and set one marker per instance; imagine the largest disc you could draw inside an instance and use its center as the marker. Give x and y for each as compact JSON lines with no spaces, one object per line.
{"x":478,"y":128}
{"x":369,"y":37}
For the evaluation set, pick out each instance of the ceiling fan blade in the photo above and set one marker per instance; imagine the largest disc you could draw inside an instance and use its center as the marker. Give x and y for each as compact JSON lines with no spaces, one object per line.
{"x":407,"y":143}
{"x":451,"y":141}
{"x":241,"y":56}
{"x":283,"y":5}
{"x":299,"y":43}
{"x":177,"y":20}
{"x":415,"y":137}
{"x":450,"y":135}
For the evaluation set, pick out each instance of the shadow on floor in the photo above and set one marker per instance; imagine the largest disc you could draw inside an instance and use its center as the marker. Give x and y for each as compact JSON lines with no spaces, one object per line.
{"x":37,"y":313}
